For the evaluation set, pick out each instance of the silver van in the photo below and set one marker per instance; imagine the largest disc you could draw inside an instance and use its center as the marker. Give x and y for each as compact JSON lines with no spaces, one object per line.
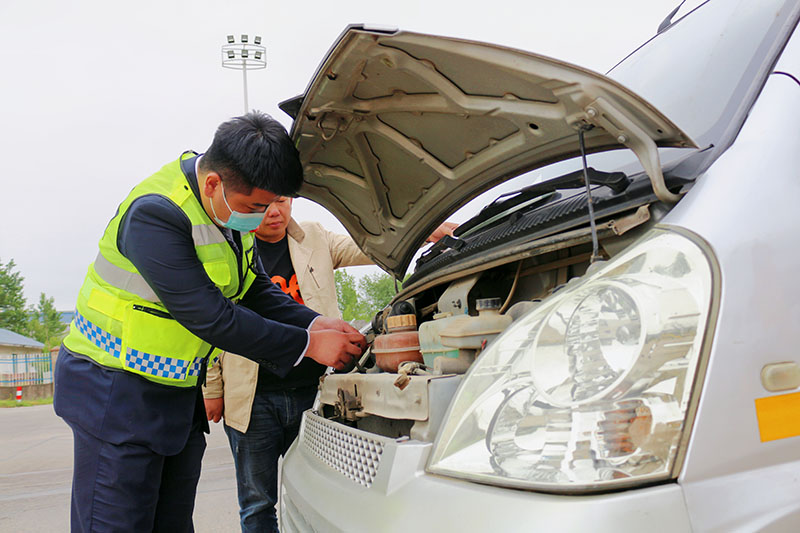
{"x":609,"y":345}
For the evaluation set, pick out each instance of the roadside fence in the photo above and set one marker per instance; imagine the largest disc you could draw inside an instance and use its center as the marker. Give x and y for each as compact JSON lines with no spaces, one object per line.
{"x":26,"y":369}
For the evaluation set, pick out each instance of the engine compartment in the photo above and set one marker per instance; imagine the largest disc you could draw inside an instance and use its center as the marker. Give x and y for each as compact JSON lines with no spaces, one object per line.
{"x":423,"y":342}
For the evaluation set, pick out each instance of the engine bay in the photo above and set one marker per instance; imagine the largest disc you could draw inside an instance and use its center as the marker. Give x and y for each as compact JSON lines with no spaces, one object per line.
{"x":427,"y":338}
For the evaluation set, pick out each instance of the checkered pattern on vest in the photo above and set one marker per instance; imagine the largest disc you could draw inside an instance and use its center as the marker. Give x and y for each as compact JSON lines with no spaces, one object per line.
{"x":155,"y":365}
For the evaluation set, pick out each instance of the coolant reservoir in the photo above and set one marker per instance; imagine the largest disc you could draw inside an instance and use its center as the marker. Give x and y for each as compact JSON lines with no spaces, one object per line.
{"x":445,"y":335}
{"x":472,"y":332}
{"x":430,"y":339}
{"x":400,"y":344}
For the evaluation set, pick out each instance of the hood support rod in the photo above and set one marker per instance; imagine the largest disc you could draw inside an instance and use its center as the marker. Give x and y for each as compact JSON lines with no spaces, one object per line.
{"x":634,"y":137}
{"x":589,"y":202}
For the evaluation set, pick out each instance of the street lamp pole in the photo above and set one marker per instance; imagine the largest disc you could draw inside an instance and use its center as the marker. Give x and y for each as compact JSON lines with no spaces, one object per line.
{"x":244,"y":82}
{"x":244,"y":56}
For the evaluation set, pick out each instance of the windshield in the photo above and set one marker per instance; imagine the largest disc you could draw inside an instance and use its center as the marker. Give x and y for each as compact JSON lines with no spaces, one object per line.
{"x":704,"y":70}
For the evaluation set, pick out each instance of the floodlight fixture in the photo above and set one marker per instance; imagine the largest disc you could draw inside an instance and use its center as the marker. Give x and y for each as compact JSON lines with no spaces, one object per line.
{"x":244,"y":56}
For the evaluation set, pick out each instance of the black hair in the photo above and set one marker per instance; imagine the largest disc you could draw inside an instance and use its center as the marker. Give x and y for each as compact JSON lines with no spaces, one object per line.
{"x":254,"y":151}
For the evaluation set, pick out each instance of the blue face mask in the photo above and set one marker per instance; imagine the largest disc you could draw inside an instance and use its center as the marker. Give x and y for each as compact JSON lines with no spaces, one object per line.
{"x":242,"y":222}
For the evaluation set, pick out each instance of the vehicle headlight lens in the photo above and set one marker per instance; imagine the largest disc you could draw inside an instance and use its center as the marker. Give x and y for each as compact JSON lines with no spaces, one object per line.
{"x":590,"y":390}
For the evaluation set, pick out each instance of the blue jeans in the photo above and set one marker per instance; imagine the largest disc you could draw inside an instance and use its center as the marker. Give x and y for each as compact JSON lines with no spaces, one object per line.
{"x":274,"y":423}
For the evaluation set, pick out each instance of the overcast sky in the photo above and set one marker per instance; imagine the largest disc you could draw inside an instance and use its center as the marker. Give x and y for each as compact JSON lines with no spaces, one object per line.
{"x":98,"y":94}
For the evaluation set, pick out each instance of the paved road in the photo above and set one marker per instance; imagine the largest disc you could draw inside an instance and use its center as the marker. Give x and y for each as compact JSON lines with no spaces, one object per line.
{"x":36,"y":473}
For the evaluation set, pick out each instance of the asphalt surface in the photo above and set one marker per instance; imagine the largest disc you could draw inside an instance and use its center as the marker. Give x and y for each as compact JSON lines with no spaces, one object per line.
{"x":36,"y":475}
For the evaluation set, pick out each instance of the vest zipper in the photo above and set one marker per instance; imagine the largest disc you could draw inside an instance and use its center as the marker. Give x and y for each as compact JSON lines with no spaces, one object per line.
{"x":239,"y":260}
{"x":154,"y":312}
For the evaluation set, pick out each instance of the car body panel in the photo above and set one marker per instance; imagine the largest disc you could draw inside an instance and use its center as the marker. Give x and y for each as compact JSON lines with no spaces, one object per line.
{"x":403,"y":498}
{"x":758,"y":255}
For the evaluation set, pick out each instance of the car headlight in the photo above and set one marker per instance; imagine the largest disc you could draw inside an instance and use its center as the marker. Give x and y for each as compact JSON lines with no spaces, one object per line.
{"x":593,"y":389}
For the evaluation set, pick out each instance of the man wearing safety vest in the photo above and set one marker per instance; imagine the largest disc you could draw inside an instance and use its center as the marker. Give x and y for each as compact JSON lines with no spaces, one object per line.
{"x":175,"y":282}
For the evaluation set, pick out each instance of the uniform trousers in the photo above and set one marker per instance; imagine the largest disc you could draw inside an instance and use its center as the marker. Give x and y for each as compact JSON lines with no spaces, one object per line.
{"x":128,"y":487}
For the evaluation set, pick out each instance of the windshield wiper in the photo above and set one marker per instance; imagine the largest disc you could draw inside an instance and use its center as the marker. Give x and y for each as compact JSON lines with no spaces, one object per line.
{"x":534,"y":196}
{"x":616,"y":181}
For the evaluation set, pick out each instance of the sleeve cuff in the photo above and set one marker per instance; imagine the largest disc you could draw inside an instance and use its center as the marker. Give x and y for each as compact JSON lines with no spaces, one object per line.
{"x":302,"y":355}
{"x":308,"y":340}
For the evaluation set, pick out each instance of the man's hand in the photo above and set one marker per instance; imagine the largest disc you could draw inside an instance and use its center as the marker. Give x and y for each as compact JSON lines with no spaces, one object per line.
{"x":214,"y":408}
{"x":446,"y":228}
{"x":334,"y":348}
{"x":336,"y":324}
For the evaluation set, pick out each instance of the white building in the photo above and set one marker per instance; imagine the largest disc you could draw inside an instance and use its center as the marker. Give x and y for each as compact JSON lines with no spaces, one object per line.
{"x":22,"y":360}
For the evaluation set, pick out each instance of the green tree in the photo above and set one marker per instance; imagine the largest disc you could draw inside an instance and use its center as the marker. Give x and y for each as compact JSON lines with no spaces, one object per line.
{"x":12,"y":299}
{"x":44,"y":322}
{"x":361,"y":298}
{"x":347,"y":296}
{"x":376,"y":291}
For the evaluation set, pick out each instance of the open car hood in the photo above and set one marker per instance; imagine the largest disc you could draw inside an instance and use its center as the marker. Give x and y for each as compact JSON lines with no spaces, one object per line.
{"x":397,"y":130}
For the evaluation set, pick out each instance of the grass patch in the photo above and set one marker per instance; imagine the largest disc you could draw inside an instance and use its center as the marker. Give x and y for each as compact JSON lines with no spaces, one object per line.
{"x":25,"y":403}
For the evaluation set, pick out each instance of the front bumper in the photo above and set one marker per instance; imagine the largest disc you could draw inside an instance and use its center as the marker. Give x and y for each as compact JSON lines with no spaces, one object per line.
{"x":337,"y":478}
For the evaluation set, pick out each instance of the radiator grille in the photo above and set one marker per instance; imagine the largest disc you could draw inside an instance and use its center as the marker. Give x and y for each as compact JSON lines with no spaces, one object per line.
{"x":355,"y":456}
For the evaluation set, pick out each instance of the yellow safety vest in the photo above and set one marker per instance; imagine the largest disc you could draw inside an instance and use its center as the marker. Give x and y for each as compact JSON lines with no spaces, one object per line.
{"x":120,"y":323}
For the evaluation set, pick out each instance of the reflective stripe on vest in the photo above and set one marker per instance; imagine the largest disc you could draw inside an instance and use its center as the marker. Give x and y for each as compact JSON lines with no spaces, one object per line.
{"x":155,"y":365}
{"x":133,"y":282}
{"x":205,"y":234}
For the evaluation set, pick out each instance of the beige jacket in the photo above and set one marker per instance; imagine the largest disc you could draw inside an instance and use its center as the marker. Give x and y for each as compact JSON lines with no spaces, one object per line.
{"x":316,"y":253}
